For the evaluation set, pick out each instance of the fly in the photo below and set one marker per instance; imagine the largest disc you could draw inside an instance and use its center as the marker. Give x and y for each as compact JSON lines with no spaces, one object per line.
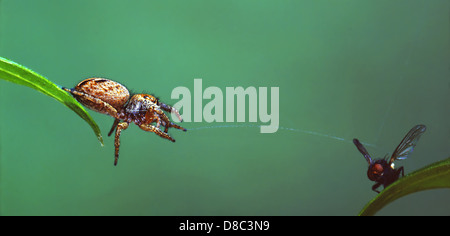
{"x":382,"y":171}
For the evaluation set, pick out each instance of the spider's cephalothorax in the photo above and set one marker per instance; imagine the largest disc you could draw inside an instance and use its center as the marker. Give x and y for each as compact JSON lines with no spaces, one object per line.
{"x":382,"y":171}
{"x":112,"y":98}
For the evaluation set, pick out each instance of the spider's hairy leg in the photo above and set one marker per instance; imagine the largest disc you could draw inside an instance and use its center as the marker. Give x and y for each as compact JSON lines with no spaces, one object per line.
{"x":151,"y":128}
{"x":156,"y":114}
{"x":170,"y":124}
{"x":152,"y":115}
{"x":121,"y":126}
{"x":177,"y":126}
{"x":171,"y":110}
{"x":165,"y":121}
{"x":116,"y":122}
{"x":93,"y":103}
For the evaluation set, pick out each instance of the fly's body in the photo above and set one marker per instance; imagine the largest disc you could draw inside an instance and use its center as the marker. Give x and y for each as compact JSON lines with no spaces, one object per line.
{"x":382,"y":171}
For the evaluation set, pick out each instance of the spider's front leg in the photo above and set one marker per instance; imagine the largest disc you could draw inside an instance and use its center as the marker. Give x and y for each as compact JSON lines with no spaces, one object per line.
{"x":170,"y":109}
{"x":151,"y":128}
{"x":170,"y":124}
{"x":121,"y":126}
{"x":161,"y":118}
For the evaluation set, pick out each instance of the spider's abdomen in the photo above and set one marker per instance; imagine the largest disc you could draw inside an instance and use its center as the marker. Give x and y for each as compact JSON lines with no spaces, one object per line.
{"x":110,"y":92}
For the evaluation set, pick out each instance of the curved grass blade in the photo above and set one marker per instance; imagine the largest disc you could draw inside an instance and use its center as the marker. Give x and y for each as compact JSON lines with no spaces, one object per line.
{"x":18,"y":74}
{"x":436,"y":175}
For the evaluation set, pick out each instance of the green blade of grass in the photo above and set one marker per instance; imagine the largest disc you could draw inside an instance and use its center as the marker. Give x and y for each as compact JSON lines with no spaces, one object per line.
{"x":436,"y":175}
{"x":18,"y":74}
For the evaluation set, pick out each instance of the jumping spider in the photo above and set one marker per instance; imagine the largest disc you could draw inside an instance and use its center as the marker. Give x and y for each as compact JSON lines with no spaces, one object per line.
{"x":111,"y":98}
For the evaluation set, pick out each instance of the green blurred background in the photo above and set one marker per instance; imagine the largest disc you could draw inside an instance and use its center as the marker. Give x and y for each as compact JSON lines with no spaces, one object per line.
{"x":366,"y":69}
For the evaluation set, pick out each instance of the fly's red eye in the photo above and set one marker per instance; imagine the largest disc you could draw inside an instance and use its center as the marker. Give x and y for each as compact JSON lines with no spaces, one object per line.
{"x":375,"y":171}
{"x":377,"y":168}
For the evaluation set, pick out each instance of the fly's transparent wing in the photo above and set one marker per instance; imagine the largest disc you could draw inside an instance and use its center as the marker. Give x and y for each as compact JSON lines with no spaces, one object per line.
{"x":408,"y":143}
{"x":362,"y":150}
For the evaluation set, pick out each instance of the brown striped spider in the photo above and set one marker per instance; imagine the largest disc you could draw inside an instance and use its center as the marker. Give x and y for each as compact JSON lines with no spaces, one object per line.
{"x":112,"y":98}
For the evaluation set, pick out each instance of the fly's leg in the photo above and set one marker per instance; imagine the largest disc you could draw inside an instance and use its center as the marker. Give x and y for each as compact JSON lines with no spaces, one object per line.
{"x":375,"y":186}
{"x":400,"y":170}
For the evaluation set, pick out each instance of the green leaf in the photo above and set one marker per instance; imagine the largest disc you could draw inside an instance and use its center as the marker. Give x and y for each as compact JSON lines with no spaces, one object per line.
{"x":436,"y":175}
{"x":18,"y":74}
